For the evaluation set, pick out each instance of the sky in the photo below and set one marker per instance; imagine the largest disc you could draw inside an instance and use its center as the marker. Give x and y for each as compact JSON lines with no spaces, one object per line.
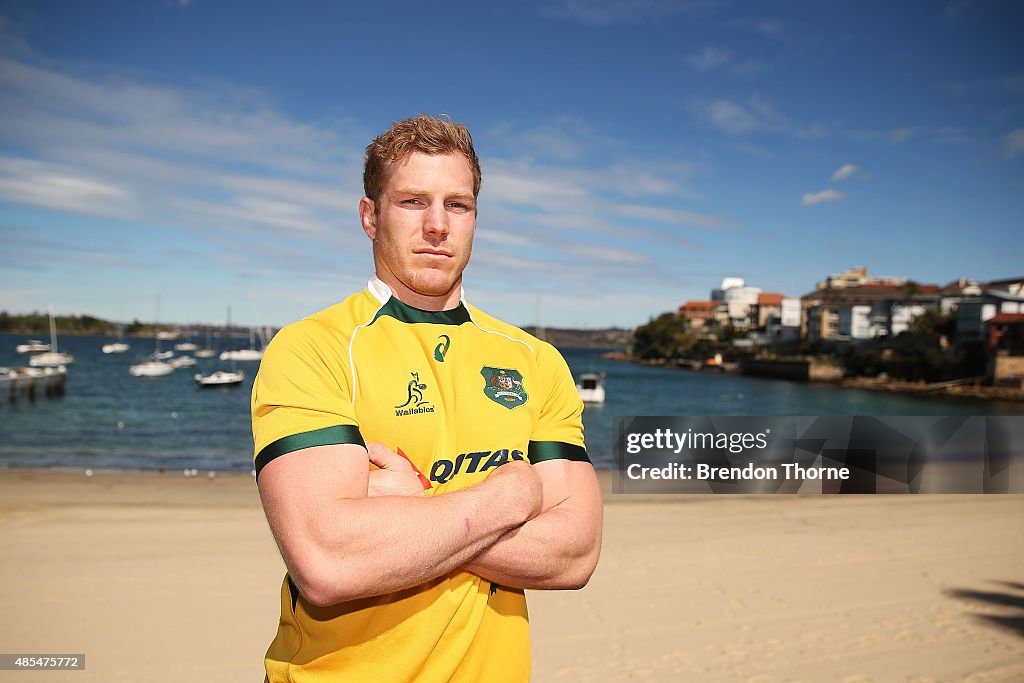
{"x":634,"y":152}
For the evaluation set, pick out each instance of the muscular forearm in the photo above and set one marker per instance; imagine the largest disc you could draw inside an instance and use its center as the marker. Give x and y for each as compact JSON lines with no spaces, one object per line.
{"x":558,"y":549}
{"x":359,"y":547}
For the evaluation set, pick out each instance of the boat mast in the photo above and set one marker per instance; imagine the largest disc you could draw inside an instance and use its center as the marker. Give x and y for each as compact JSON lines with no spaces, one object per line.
{"x":53,"y":329}
{"x":156,"y":328}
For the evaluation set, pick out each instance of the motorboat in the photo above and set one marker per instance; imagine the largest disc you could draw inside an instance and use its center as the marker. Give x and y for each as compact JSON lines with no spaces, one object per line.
{"x":161,"y":355}
{"x":220,"y":378}
{"x":182,"y":362}
{"x":33,"y":346}
{"x":151,"y":368}
{"x":185,"y":346}
{"x":591,"y":387}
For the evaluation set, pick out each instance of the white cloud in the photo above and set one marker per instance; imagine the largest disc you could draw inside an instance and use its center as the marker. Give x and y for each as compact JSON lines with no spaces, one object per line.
{"x":611,"y":254}
{"x":829,"y":195}
{"x":54,"y":186}
{"x":1013,"y":143}
{"x":731,"y":118}
{"x":709,"y":58}
{"x":263,"y":197}
{"x":844,"y":172}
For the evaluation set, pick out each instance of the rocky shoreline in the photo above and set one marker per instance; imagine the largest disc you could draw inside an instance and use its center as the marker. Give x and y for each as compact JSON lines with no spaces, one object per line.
{"x":974,"y":391}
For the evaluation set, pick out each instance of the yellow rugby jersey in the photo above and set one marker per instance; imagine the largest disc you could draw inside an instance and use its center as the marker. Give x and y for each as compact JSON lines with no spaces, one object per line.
{"x":458,"y":393}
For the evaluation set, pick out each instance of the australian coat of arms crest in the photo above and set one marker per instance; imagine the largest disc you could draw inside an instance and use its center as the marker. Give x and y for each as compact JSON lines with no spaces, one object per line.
{"x":504,"y":386}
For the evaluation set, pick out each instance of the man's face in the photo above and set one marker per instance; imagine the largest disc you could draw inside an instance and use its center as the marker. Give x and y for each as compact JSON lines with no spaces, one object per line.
{"x":422,"y":229}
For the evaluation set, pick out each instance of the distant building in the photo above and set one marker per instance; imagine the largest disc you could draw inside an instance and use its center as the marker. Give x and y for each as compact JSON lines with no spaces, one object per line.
{"x":769,"y":305}
{"x":865,"y":311}
{"x":954,"y":292}
{"x":699,"y":313}
{"x":1005,"y":344}
{"x":1014,"y":286}
{"x":858,"y":277}
{"x":973,"y":312}
{"x":785,"y":327}
{"x":738,"y":300}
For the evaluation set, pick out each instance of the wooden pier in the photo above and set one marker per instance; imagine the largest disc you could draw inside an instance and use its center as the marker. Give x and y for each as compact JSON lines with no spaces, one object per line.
{"x":32,"y":382}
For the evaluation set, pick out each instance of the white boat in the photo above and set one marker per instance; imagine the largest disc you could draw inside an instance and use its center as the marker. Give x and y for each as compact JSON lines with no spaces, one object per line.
{"x":223,"y":378}
{"x":166,"y":336}
{"x":249,"y":354}
{"x":33,"y":346}
{"x":151,"y":368}
{"x":115,"y":347}
{"x":182,"y":362}
{"x":591,"y":387}
{"x":220,"y":378}
{"x":154,"y":366}
{"x":119,"y":346}
{"x":51,"y":359}
{"x":207,"y":351}
{"x":54,"y":358}
{"x":242,"y":354}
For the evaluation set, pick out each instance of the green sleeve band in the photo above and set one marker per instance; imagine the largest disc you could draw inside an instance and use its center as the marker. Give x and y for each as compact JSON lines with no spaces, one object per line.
{"x":328,"y":436}
{"x":540,"y":451}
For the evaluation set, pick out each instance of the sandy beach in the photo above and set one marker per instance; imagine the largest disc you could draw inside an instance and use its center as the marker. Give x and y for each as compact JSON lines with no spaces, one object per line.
{"x":166,"y":578}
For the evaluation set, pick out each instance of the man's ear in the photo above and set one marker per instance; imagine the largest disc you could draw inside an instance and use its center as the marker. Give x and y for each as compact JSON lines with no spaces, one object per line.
{"x":368,"y":217}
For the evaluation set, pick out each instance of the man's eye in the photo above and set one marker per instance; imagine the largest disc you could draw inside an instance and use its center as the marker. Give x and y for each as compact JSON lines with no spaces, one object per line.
{"x":410,"y":201}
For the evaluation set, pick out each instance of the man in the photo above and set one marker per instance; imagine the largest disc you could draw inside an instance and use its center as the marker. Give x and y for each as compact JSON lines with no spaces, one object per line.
{"x":420,"y":462}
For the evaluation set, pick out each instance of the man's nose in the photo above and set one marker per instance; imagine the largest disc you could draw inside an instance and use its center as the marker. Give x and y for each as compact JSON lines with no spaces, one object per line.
{"x":435,"y":223}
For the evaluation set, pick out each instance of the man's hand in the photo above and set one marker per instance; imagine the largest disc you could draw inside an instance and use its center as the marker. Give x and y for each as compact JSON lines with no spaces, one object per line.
{"x":524,"y":487}
{"x":396,"y":476}
{"x":558,"y":548}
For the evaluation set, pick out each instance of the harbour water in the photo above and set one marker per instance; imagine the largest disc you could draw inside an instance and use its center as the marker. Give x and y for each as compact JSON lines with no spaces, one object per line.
{"x":109,"y":419}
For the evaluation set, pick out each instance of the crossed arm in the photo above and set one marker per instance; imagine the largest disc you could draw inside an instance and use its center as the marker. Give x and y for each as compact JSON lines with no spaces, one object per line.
{"x":345,"y":533}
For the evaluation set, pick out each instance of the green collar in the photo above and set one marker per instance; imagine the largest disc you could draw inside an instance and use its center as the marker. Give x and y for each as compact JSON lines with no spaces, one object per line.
{"x":405,"y":313}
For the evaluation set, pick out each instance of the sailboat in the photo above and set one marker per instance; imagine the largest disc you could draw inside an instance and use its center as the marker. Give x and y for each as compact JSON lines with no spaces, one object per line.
{"x":155,"y":367}
{"x":52,"y":358}
{"x":207,"y":351}
{"x":119,"y":346}
{"x":221,"y":378}
{"x":249,"y":354}
{"x":186,"y":345}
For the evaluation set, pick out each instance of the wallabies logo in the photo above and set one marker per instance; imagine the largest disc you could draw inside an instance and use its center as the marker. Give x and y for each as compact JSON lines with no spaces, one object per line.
{"x":415,"y":403}
{"x":504,"y":386}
